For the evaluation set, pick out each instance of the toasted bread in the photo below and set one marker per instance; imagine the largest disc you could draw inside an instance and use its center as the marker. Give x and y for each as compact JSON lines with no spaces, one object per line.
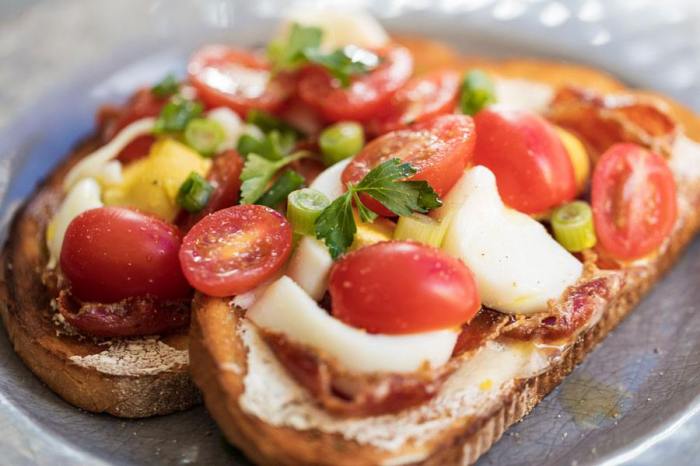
{"x":220,"y":351}
{"x":127,"y":378}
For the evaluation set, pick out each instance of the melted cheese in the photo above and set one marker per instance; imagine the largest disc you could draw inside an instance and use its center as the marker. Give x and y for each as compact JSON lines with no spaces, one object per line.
{"x":85,"y":195}
{"x":517,"y":264}
{"x":285,"y":308}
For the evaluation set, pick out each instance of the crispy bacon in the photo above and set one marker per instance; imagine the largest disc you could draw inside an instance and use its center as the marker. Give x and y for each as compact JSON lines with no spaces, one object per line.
{"x":127,"y":318}
{"x":354,"y":394}
{"x":603,"y":120}
{"x":567,"y":317}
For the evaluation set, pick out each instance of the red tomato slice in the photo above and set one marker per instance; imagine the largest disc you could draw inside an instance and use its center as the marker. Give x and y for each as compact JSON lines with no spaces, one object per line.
{"x":366,"y":95}
{"x":399,"y":287}
{"x":421,"y":98}
{"x":114,"y":253}
{"x":533,"y":170}
{"x":233,"y":250}
{"x":141,"y":105}
{"x":439,"y":149}
{"x":633,"y":194}
{"x":237,"y":79}
{"x":225,"y":176}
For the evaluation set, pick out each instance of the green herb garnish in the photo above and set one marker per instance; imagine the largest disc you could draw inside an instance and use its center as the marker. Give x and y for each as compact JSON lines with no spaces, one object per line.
{"x":336,"y":224}
{"x":290,"y":54}
{"x":477,"y":91}
{"x":176,"y":114}
{"x":194,"y":193}
{"x":272,"y":146}
{"x":345,"y":62}
{"x":258,"y":171}
{"x":284,"y":184}
{"x":168,"y":86}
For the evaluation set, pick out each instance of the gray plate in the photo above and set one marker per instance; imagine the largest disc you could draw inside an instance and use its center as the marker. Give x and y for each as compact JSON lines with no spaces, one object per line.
{"x":634,"y":401}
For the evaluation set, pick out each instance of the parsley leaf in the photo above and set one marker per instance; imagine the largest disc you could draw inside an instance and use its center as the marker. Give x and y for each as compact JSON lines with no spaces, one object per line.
{"x":168,"y":86}
{"x":268,"y":122}
{"x":258,"y":172}
{"x":336,"y":224}
{"x":344,"y":62}
{"x":289,"y":54}
{"x":175,"y":115}
{"x":273,"y":146}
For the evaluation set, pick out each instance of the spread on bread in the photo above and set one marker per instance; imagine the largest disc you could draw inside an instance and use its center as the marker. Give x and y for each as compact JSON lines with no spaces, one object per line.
{"x":386,"y":237}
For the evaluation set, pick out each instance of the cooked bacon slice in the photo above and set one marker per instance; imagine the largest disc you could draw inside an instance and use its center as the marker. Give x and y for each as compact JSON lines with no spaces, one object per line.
{"x":127,"y":318}
{"x":354,"y":394}
{"x":604,"y":120}
{"x":569,"y":316}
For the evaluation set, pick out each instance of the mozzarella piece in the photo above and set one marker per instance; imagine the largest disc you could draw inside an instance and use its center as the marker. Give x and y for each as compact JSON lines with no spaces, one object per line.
{"x":329,"y":182}
{"x":286,"y":308}
{"x":522,"y":94}
{"x":340,"y":28}
{"x":93,"y":164}
{"x":517,"y":264}
{"x":85,"y":195}
{"x":310,"y":265}
{"x":685,"y":158}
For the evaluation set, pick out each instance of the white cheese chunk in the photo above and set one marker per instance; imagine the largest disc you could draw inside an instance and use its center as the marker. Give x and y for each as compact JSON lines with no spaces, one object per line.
{"x":85,"y":195}
{"x":339,"y":28}
{"x":93,"y":165}
{"x":233,"y":127}
{"x":329,"y":182}
{"x":685,"y":158}
{"x":287,"y":309}
{"x":521,"y":94}
{"x":310,"y":265}
{"x":517,"y":264}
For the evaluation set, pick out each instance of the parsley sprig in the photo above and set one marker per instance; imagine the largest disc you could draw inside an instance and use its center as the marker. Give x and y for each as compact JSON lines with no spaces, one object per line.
{"x":336,"y":224}
{"x":303,"y":45}
{"x":259,"y":171}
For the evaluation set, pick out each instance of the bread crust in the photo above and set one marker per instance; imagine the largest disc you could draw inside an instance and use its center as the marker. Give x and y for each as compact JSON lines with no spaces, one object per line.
{"x":27,"y":316}
{"x":215,"y":342}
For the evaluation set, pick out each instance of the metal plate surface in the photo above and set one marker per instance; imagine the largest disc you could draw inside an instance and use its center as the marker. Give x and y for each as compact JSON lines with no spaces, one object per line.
{"x":635,"y":400}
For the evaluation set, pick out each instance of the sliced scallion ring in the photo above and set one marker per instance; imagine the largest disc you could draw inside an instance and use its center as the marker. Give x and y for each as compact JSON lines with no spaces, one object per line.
{"x":340,"y":141}
{"x":194,"y":193}
{"x":303,"y":208}
{"x":204,"y":135}
{"x":573,"y":226}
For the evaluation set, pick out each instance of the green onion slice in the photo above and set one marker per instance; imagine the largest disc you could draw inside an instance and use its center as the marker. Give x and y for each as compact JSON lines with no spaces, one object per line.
{"x":168,"y":86}
{"x":303,"y":208}
{"x":285,"y":184}
{"x":477,"y":91}
{"x":573,"y":226}
{"x":204,"y":136}
{"x":340,"y":141}
{"x":421,"y":228}
{"x":194,"y":193}
{"x":176,"y":114}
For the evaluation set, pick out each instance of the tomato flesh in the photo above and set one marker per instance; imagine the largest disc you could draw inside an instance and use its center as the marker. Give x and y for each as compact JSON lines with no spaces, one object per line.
{"x":421,"y":98}
{"x":237,"y":79}
{"x":633,"y":195}
{"x":366,"y":95}
{"x":114,"y":253}
{"x":225,"y":176}
{"x":439,"y":149}
{"x":235,"y":249}
{"x":533,"y":170}
{"x":400,"y":287}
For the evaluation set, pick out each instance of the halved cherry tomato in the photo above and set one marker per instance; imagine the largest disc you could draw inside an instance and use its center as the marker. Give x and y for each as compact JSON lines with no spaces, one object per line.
{"x":366,"y":95}
{"x":533,"y":170}
{"x":399,"y":287}
{"x":233,"y":250}
{"x":237,"y":79}
{"x":421,"y":98}
{"x":113,"y":253}
{"x":225,"y":176}
{"x":633,"y":194}
{"x":141,"y":105}
{"x":439,"y":149}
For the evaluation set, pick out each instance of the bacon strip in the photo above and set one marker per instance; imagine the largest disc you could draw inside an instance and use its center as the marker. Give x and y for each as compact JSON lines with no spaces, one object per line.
{"x":127,"y":318}
{"x":604,"y":120}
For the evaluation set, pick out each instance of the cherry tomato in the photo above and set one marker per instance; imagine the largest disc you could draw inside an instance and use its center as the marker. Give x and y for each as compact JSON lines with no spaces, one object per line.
{"x":366,"y":95}
{"x":633,"y":194}
{"x":225,"y":176}
{"x":439,"y":149}
{"x":114,"y":253}
{"x":237,"y":79}
{"x":141,"y":105}
{"x":533,"y":170}
{"x":421,"y":98}
{"x":398,"y":287}
{"x":233,"y":250}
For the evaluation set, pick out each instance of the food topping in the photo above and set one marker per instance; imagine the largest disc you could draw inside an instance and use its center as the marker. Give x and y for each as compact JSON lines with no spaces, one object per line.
{"x":340,"y":141}
{"x":573,"y":226}
{"x":476,"y":92}
{"x":303,"y":208}
{"x":194,"y":193}
{"x":235,"y":249}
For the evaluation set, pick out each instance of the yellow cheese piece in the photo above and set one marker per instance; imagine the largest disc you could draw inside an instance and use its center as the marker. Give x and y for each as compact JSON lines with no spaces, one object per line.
{"x":370,"y":233}
{"x":151,"y":184}
{"x":579,"y":157}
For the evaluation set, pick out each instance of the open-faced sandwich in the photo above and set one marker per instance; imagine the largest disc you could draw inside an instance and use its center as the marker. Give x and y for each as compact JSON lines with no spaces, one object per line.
{"x":396,"y":251}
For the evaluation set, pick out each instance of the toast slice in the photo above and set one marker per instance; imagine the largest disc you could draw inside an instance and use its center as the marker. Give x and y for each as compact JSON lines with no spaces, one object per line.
{"x":223,"y":347}
{"x":129,"y":378}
